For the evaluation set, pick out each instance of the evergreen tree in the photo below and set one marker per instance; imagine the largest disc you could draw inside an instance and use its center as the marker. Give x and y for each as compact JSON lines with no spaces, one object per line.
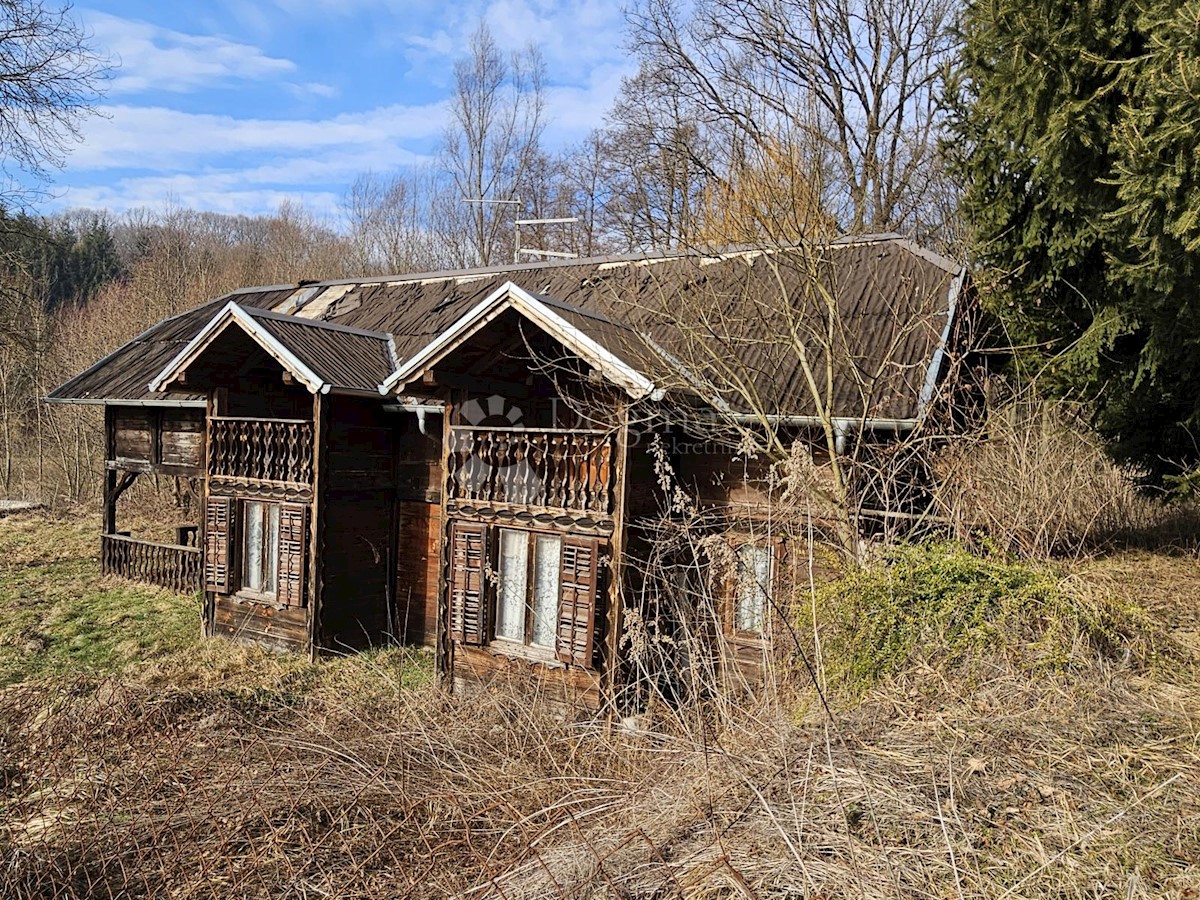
{"x":1074,"y":133}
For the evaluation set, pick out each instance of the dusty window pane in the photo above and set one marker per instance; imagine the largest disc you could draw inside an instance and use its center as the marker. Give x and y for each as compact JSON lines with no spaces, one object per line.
{"x":754,"y":578}
{"x":510,"y":604}
{"x":252,"y":574}
{"x":546,"y":590}
{"x":272,"y":560}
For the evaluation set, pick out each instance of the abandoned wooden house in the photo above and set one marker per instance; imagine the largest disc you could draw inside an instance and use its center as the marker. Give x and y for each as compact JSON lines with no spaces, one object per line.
{"x":461,"y":459}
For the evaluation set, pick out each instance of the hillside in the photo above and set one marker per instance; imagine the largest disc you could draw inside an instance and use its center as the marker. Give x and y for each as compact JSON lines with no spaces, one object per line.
{"x":136,"y":761}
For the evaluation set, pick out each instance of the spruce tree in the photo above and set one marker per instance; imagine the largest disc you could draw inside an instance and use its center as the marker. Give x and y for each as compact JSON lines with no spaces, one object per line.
{"x":1074,"y":132}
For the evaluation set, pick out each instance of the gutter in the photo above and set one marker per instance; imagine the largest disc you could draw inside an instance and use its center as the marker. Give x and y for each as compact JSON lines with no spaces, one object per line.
{"x":843,"y":427}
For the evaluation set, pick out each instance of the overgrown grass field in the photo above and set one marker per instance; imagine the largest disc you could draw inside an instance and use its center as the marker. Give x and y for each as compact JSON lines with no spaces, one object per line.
{"x":996,"y":730}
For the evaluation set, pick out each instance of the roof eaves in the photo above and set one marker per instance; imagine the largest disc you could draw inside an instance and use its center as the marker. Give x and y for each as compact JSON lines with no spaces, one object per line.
{"x":513,"y":295}
{"x":232,"y":312}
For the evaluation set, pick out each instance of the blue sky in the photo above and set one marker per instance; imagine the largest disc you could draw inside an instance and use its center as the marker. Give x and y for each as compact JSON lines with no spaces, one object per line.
{"x":236,"y":106}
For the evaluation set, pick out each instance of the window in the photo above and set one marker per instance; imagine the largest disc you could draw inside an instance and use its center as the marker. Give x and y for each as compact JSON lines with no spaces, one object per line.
{"x":539,"y":598}
{"x":754,"y":565}
{"x":260,"y":556}
{"x":264,"y":557}
{"x":528,"y":591}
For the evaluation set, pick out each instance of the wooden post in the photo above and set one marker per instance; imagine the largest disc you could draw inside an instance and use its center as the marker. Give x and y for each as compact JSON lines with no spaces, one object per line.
{"x":443,"y":648}
{"x":610,"y":681}
{"x":317,"y":521}
{"x":110,"y":475}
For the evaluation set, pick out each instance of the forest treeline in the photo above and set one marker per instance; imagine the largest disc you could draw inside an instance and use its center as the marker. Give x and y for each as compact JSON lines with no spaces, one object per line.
{"x":1053,"y":148}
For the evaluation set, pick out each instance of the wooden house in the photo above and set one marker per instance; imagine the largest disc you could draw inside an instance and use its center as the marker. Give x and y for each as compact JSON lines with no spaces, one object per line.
{"x":460,"y":459}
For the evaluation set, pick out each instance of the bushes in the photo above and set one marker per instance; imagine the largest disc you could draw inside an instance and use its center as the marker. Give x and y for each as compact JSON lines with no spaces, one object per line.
{"x":938,"y":603}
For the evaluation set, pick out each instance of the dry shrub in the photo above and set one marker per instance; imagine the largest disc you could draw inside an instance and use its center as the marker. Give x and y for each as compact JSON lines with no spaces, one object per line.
{"x":1036,"y":483}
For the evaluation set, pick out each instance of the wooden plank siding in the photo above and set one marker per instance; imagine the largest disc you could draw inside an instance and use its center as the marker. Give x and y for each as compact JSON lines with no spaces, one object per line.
{"x":277,"y":628}
{"x":418,"y":546}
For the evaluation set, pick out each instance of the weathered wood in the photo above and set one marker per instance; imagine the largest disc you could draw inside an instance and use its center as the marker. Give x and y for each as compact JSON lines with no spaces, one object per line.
{"x":614,"y":610}
{"x":174,"y":567}
{"x":531,"y":467}
{"x":275,"y":451}
{"x":481,"y":668}
{"x":220,"y":528}
{"x":579,"y":573}
{"x":417,"y":563}
{"x":318,"y":437}
{"x":273,"y":627}
{"x":469,"y":566}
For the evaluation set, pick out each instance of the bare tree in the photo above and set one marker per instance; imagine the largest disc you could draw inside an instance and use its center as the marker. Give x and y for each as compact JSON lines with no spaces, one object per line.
{"x":48,"y":84}
{"x":492,"y":143}
{"x":851,"y":83}
{"x":390,"y":223}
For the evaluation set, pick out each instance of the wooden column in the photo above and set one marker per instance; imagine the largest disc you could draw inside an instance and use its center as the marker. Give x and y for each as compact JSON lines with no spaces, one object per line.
{"x":321,"y":404}
{"x":110,"y":475}
{"x":610,"y":681}
{"x":443,"y":648}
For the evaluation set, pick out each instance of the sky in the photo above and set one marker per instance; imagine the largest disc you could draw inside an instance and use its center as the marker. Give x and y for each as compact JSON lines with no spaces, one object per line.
{"x":235,"y":106}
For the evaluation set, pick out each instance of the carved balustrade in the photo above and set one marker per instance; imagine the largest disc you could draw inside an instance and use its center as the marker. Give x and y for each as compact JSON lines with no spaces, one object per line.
{"x":176,"y":568}
{"x":530,"y":467}
{"x":278,"y":451}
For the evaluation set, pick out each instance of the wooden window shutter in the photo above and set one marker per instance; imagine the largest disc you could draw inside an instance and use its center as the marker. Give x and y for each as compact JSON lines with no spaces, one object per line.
{"x":293,"y":554}
{"x":468,"y":577}
{"x":218,"y":540}
{"x":579,"y":578}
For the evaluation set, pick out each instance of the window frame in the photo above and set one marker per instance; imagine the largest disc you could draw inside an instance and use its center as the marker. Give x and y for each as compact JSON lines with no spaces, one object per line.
{"x":772,"y":546}
{"x":268,"y":554}
{"x":526,"y":647}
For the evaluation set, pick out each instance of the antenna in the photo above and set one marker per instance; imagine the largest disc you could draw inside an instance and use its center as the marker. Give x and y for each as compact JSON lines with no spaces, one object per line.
{"x":558,"y":254}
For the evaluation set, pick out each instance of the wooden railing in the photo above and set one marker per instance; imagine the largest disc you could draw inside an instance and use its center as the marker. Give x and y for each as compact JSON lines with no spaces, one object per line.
{"x":566,"y":470}
{"x":166,"y":565}
{"x":279,"y":451}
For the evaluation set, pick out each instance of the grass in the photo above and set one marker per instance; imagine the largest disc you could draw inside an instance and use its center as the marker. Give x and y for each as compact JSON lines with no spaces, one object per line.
{"x":60,"y":619}
{"x":204,"y":769}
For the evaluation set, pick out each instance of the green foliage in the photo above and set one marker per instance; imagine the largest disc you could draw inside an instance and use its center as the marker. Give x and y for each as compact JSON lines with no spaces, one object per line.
{"x":939,"y":604}
{"x":64,"y":262}
{"x":1074,"y":132}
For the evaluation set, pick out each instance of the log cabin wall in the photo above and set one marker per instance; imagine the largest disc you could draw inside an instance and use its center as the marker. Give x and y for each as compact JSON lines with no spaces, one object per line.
{"x":418,"y":525}
{"x":756,"y":627}
{"x":358,"y":552}
{"x":262,"y":461}
{"x":521,"y":470}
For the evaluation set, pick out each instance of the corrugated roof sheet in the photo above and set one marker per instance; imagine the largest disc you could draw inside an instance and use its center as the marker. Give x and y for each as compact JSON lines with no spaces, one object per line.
{"x":723,"y":316}
{"x":346,"y":358}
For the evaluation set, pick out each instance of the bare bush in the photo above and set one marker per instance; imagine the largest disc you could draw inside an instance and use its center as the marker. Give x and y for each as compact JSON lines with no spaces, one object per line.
{"x":1037,"y":483}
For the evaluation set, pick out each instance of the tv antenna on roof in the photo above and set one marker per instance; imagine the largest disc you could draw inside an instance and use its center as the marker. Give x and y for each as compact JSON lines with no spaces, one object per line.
{"x":557,"y":254}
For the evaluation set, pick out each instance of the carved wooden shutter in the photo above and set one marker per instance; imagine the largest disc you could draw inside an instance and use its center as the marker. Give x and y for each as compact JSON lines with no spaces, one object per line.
{"x":218,"y":538}
{"x":293,"y":554}
{"x":468,"y":575}
{"x":579,"y":574}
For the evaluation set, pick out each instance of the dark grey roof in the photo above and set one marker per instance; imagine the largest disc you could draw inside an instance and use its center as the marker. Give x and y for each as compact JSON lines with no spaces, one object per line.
{"x":343,"y":357}
{"x":713,"y":313}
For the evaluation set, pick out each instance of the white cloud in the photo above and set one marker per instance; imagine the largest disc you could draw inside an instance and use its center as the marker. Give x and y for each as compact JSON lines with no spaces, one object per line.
{"x":160,"y":139}
{"x":153,"y":57}
{"x":137,"y":193}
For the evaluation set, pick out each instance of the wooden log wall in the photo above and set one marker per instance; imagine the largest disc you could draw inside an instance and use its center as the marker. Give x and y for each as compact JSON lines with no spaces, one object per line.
{"x":148,"y":439}
{"x":358,"y":555}
{"x":276,"y":628}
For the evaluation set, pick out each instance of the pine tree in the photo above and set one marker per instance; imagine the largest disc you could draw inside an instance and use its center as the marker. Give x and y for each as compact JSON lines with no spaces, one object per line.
{"x":1074,"y":133}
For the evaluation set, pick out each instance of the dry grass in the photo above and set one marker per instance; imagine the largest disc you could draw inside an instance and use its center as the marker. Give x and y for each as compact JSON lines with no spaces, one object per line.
{"x":1035,"y":482}
{"x":224,"y":772}
{"x":1008,"y":787}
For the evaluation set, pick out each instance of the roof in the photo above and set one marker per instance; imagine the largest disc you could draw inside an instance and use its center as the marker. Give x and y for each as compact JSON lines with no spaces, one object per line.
{"x":679,"y":321}
{"x":323,"y":356}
